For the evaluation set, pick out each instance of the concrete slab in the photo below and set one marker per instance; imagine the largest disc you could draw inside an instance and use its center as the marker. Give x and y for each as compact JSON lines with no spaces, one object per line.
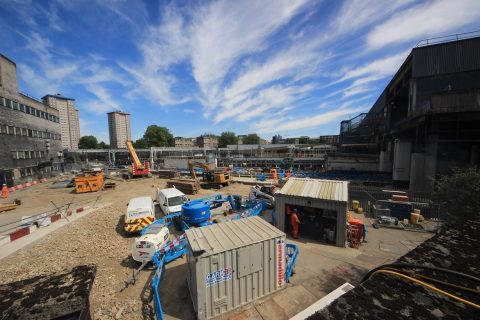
{"x":371,"y":259}
{"x":409,"y":244}
{"x":388,"y":247}
{"x":294,"y":299}
{"x":248,"y":314}
{"x":270,"y":310}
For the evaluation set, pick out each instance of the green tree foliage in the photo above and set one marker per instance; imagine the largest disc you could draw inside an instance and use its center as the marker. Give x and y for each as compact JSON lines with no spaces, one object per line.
{"x":227,"y":138}
{"x":458,"y":195}
{"x":156,"y":136}
{"x":103,"y":145}
{"x":304,"y":140}
{"x":87,"y":142}
{"x":140,"y":144}
{"x":251,"y":138}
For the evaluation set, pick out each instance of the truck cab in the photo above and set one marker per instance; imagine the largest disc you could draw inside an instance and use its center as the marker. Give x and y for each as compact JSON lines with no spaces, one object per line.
{"x":170,"y":200}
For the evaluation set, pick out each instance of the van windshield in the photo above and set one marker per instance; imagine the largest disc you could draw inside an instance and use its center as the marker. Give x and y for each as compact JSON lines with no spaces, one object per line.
{"x":176,"y":201}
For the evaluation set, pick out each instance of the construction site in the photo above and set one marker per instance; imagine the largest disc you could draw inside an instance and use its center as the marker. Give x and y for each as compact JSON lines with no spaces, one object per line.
{"x":379,"y":221}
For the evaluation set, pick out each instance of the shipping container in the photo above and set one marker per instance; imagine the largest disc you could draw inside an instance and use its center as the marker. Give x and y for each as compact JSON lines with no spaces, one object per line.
{"x":233,"y":263}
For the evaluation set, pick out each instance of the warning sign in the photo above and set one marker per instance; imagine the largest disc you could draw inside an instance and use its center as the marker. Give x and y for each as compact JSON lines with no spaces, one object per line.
{"x":218,"y":276}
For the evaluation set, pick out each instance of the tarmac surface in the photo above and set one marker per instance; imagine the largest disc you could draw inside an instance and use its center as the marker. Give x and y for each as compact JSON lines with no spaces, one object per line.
{"x":98,"y":238}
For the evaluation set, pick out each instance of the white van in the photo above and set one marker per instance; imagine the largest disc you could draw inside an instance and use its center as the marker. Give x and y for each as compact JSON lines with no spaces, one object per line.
{"x":140,"y":213}
{"x":170,"y":200}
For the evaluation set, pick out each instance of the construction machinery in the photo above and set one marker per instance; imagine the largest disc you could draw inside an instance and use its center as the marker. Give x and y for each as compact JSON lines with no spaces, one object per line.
{"x":195,"y":213}
{"x":265,"y":193}
{"x":137,"y":169}
{"x":211,"y":178}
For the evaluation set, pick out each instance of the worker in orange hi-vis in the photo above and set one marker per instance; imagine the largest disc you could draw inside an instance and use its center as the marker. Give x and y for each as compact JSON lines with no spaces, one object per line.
{"x":4,"y":191}
{"x":295,"y":223}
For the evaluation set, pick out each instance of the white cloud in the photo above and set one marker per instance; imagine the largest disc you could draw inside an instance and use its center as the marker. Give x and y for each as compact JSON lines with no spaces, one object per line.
{"x":356,"y":14}
{"x":287,"y":63}
{"x":164,"y":46}
{"x":377,"y":69}
{"x":188,"y":111}
{"x":286,"y":124}
{"x":430,"y":19}
{"x":223,"y":32}
{"x":104,"y":101}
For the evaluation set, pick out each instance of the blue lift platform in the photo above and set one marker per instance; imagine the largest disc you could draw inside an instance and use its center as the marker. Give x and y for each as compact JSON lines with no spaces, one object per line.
{"x":176,"y":248}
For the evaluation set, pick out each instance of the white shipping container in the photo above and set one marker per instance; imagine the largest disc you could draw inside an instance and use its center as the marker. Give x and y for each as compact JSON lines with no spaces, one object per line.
{"x":233,"y":263}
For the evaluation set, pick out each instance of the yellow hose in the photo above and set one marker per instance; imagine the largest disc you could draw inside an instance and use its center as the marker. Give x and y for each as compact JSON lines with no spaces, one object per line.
{"x":472,"y":304}
{"x":417,"y":275}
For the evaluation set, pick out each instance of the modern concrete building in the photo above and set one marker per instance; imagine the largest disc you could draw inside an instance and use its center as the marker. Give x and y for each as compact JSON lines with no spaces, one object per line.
{"x":30,"y":140}
{"x":207,"y":141}
{"x":425,"y":122}
{"x":119,"y":129}
{"x":69,"y":121}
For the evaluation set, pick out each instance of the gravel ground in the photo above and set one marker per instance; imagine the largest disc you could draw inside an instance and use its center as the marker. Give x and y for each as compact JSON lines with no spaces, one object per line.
{"x":97,"y":238}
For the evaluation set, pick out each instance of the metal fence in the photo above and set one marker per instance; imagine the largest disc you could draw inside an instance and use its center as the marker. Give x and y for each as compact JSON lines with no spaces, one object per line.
{"x":369,"y":196}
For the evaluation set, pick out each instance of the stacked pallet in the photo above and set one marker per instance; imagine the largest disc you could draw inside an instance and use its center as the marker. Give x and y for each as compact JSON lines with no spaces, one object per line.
{"x":187,"y":186}
{"x":168,"y":174}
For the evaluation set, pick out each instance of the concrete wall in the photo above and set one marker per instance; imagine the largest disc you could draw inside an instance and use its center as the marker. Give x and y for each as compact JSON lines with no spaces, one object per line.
{"x":385,"y":164}
{"x":351,"y":164}
{"x":401,"y":160}
{"x":8,"y":76}
{"x":20,"y":142}
{"x":19,"y":129}
{"x":178,"y":163}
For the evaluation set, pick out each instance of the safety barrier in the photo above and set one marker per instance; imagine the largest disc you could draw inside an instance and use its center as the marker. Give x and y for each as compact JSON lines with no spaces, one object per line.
{"x":26,"y":184}
{"x":29,"y":224}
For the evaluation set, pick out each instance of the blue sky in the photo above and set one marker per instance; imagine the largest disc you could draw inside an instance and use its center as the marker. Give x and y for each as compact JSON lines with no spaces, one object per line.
{"x":289,"y":67}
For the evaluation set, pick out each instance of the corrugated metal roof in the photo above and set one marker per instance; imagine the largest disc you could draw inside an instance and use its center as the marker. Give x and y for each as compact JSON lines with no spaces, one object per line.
{"x":225,"y":236}
{"x":332,"y":190}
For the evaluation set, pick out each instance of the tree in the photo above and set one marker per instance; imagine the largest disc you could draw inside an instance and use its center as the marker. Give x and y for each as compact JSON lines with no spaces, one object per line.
{"x":251,"y":138}
{"x":156,"y":136}
{"x":103,"y":145}
{"x":227,"y":138}
{"x":304,"y":140}
{"x":87,"y":142}
{"x":140,"y":144}
{"x":457,"y":195}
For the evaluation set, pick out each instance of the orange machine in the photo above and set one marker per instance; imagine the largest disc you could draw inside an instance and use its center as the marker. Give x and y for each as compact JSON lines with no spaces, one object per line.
{"x":89,"y":181}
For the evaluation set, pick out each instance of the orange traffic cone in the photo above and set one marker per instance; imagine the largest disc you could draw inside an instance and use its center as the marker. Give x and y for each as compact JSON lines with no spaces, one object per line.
{"x":4,"y":191}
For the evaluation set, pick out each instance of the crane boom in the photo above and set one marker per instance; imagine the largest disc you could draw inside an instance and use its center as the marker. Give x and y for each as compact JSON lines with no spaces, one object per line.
{"x":134,"y":155}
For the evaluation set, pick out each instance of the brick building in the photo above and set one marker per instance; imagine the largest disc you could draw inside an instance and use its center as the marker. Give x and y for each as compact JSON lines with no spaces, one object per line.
{"x":30,"y":136}
{"x":207,"y":141}
{"x":184,"y":142}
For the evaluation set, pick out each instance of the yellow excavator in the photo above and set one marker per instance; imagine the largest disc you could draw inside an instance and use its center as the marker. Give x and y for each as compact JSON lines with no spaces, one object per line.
{"x":211,"y":178}
{"x":137,"y":169}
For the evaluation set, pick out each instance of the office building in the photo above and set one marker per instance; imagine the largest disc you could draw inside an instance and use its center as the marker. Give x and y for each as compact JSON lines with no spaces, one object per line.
{"x":30,"y":136}
{"x":69,"y":121}
{"x":119,"y":129}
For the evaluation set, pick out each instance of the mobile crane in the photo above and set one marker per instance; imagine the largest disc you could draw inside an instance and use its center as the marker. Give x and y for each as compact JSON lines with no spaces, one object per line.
{"x":210,"y":177}
{"x":137,"y":169}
